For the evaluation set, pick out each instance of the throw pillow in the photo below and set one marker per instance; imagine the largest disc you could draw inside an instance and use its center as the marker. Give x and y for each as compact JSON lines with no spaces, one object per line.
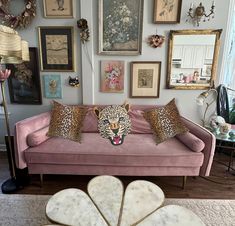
{"x":191,"y":141}
{"x":165,"y":121}
{"x":66,"y":121}
{"x":114,"y":123}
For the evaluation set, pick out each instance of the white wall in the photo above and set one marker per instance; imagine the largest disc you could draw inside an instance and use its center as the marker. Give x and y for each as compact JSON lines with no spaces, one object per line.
{"x":89,"y":93}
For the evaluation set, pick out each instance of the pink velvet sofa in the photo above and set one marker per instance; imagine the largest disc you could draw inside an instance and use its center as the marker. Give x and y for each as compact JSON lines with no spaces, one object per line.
{"x":184,"y":155}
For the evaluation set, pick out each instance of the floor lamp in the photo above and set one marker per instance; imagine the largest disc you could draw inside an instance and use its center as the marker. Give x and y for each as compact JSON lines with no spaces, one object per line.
{"x":13,"y":50}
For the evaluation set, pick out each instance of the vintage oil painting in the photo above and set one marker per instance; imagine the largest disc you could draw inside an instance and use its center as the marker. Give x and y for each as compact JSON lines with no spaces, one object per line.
{"x":112,"y":76}
{"x":120,"y":27}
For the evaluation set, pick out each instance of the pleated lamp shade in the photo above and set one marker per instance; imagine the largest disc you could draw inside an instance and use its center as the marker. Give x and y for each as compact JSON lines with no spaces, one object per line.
{"x":13,"y":50}
{"x":25,"y":50}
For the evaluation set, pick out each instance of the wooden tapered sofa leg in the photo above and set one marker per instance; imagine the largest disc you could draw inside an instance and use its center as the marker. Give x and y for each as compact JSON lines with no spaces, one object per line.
{"x":41,"y":180}
{"x":184,"y":182}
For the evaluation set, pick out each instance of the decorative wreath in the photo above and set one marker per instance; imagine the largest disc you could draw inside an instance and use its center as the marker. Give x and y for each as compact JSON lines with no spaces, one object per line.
{"x":20,"y":21}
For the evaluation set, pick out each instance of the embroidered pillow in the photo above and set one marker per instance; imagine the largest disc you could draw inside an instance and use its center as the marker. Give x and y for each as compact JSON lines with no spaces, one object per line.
{"x":165,"y":122}
{"x":114,"y":123}
{"x":66,"y":121}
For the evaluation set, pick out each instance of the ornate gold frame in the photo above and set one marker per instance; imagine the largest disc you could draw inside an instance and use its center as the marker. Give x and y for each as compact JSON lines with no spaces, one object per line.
{"x":214,"y":62}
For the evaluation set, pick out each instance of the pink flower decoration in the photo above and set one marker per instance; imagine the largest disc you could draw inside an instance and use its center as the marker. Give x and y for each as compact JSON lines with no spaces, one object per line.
{"x":4,"y":75}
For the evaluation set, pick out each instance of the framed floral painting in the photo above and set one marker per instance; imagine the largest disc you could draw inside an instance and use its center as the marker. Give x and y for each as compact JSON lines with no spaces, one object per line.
{"x":112,"y":76}
{"x":145,"y":79}
{"x":120,"y":27}
{"x":24,"y":83}
{"x":167,"y":11}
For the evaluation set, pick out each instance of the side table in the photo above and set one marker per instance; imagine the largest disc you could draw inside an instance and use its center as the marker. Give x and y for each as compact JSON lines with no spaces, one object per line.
{"x":227,"y":143}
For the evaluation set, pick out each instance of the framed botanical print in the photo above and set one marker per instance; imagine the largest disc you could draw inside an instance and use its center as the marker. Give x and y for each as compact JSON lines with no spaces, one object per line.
{"x":24,"y":82}
{"x":58,"y":9}
{"x":167,"y":11}
{"x":145,"y":79}
{"x":120,"y":27}
{"x":56,"y":48}
{"x":52,"y":86}
{"x":112,"y":76}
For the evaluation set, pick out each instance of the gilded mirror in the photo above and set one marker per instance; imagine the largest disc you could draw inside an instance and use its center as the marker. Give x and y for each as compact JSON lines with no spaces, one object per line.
{"x":192,"y":58}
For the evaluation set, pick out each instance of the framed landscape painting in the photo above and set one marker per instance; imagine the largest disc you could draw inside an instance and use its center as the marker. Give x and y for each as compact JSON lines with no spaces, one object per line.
{"x":58,"y":8}
{"x":24,"y":82}
{"x":52,"y":86}
{"x":120,"y":27}
{"x":167,"y":11}
{"x":145,"y":79}
{"x":112,"y":76}
{"x":56,"y":48}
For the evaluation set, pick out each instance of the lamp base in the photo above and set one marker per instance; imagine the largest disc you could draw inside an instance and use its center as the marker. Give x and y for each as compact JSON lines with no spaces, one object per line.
{"x":11,"y":185}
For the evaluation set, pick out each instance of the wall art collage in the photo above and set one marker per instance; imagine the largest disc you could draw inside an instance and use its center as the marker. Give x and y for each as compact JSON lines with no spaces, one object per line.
{"x":120,"y":28}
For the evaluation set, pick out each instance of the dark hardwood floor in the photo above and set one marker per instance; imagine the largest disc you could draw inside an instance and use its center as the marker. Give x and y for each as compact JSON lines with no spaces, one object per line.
{"x":220,"y":185}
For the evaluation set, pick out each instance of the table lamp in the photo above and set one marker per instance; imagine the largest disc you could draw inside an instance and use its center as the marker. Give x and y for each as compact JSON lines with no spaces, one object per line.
{"x":13,"y":50}
{"x":202,"y":99}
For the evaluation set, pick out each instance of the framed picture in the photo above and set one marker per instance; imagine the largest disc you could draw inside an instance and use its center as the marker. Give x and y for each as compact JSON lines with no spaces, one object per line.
{"x":112,"y":76}
{"x":58,"y":8}
{"x":145,"y":79}
{"x":56,"y":48}
{"x":52,"y":86}
{"x":24,"y":82}
{"x":120,"y":27}
{"x":167,"y":11}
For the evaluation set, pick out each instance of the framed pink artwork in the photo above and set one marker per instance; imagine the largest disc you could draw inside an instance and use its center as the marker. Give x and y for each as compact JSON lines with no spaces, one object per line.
{"x":112,"y":76}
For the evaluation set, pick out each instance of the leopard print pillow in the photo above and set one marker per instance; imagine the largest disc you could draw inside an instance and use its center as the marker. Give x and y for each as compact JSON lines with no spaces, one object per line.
{"x":66,"y":121}
{"x":165,"y":122}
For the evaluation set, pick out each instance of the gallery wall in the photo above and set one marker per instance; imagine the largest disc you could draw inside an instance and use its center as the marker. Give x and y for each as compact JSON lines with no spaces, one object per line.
{"x":89,"y":92}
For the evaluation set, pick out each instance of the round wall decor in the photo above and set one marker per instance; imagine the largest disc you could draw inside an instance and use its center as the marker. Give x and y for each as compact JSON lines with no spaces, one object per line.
{"x":17,"y":21}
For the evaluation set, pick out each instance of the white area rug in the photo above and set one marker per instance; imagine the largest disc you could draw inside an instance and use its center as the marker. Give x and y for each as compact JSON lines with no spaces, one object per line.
{"x":29,"y":210}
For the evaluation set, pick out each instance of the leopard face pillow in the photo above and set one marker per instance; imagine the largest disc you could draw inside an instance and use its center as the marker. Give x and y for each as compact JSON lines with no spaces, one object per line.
{"x":66,"y":121}
{"x":165,"y":122}
{"x":114,"y":123}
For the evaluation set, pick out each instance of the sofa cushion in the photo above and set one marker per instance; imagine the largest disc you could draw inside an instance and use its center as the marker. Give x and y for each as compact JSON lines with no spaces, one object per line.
{"x":165,"y":122}
{"x":66,"y":121}
{"x":37,"y":137}
{"x":138,"y":122}
{"x":90,"y":122}
{"x":191,"y":141}
{"x":97,"y":151}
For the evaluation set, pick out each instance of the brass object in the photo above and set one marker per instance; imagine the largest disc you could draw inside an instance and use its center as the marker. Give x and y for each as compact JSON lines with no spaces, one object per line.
{"x":200,"y":13}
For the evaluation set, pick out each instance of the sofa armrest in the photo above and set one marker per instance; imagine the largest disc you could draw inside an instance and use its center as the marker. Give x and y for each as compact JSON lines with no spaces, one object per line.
{"x":209,"y":139}
{"x":22,"y":129}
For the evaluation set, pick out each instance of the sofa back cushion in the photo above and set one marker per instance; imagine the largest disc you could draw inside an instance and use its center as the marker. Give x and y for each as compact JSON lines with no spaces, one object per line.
{"x":138,"y":122}
{"x":90,"y":124}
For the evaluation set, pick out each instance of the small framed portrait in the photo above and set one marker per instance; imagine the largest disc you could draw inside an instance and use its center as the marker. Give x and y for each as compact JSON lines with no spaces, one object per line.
{"x":167,"y":11}
{"x":145,"y":79}
{"x":52,"y":87}
{"x":56,"y":48}
{"x":58,"y":9}
{"x":24,"y":83}
{"x":112,"y":76}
